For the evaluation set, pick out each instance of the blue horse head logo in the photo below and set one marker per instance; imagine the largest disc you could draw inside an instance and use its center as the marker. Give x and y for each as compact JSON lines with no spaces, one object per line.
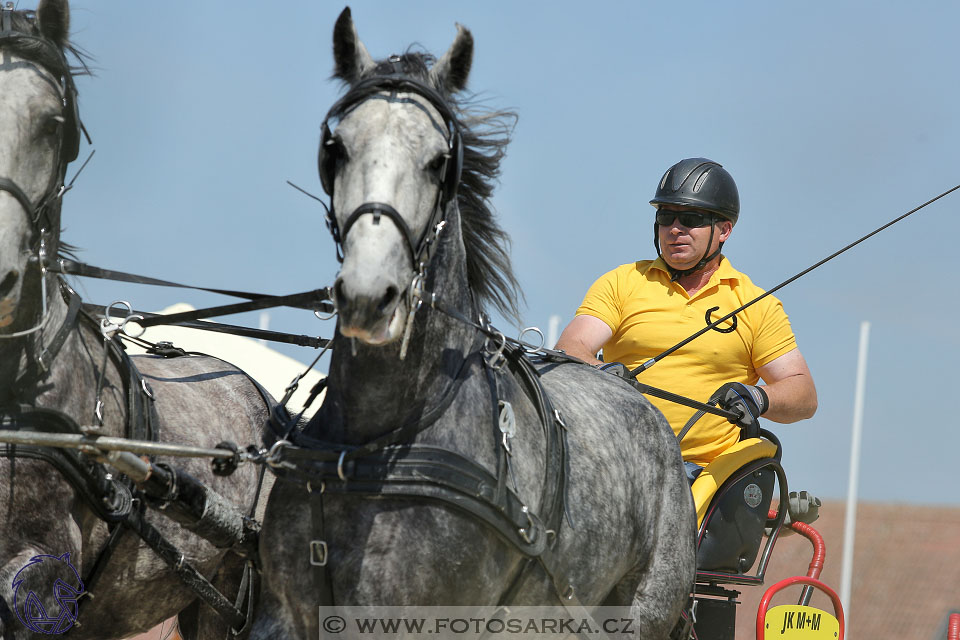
{"x":67,"y":588}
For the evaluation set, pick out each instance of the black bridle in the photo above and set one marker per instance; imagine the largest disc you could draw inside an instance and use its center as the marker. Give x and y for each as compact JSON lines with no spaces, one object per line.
{"x":44,"y":213}
{"x":330,"y":151}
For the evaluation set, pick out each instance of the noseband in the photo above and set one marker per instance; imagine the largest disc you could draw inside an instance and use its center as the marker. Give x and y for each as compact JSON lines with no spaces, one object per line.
{"x":371,"y":89}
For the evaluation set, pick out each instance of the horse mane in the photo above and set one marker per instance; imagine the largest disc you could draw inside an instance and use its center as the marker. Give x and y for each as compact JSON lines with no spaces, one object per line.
{"x":485,"y":134}
{"x":33,"y":47}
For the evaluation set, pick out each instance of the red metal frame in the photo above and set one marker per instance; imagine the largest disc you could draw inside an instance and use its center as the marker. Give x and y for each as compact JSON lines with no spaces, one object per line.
{"x":812,"y":580}
{"x":953,"y":633}
{"x":788,"y":582}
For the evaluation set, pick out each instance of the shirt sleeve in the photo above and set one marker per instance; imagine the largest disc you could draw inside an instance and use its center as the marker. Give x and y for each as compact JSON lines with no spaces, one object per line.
{"x":775,"y":336}
{"x":603,"y":300}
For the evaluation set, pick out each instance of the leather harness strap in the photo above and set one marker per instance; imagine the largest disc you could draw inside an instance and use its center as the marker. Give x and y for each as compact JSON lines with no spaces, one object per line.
{"x":389,"y":467}
{"x":185,"y":571}
{"x":74,"y":303}
{"x":109,"y":498}
{"x":438,"y":475}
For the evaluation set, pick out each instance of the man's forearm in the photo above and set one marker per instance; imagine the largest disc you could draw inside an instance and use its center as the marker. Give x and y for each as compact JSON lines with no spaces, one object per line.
{"x":577,"y":350}
{"x":791,"y":399}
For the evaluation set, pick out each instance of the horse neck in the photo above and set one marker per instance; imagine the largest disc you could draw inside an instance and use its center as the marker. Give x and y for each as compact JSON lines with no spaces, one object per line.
{"x":371,"y":390}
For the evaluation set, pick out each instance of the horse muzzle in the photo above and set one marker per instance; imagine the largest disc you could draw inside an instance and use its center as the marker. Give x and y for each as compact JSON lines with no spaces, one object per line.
{"x":376,"y":318}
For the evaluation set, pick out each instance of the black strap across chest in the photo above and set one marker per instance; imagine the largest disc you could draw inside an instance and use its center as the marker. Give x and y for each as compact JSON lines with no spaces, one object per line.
{"x":391,"y":466}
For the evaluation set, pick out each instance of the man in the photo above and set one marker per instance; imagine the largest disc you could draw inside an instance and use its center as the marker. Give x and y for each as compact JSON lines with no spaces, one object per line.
{"x":639,"y":310}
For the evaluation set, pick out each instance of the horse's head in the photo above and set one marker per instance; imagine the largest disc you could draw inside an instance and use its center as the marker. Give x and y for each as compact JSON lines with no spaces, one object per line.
{"x":38,"y":137}
{"x":392,"y":167}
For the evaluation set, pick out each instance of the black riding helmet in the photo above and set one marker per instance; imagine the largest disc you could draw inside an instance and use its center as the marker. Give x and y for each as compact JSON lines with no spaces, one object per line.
{"x":701,"y":184}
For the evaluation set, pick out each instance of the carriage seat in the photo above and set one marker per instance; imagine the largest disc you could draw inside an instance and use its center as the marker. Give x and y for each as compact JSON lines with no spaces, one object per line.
{"x":725,"y":465}
{"x":732,"y":496}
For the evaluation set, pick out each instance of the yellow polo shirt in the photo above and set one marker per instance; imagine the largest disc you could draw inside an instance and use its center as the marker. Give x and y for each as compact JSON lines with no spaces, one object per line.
{"x":648,"y":314}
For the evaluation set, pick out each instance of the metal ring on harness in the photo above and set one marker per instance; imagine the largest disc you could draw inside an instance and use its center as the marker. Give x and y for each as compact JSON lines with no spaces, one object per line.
{"x":109,"y":325}
{"x":529,"y":348}
{"x":332,"y":299}
{"x":340,"y":466}
{"x":326,"y":316}
{"x":123,"y":327}
{"x":273,"y":455}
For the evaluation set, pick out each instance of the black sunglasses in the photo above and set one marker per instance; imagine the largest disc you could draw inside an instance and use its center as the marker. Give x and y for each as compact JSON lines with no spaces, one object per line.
{"x":688,"y":219}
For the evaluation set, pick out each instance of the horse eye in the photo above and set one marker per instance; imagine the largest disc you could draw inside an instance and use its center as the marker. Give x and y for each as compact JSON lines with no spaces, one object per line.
{"x":52,"y":126}
{"x":438,"y":163}
{"x":336,"y":150}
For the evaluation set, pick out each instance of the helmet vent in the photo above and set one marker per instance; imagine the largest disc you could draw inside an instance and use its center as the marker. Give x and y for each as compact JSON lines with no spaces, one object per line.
{"x":678,"y":180}
{"x":663,"y":180}
{"x":700,"y":180}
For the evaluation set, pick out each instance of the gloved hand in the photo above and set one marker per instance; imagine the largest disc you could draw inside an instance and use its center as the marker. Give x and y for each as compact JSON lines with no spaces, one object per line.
{"x":615,"y":368}
{"x":749,"y":401}
{"x":618,"y":369}
{"x":802,"y":507}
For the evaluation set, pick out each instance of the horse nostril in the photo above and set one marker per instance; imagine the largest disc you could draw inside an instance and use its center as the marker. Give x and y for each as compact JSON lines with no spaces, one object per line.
{"x":388,"y":299}
{"x":339,"y":296}
{"x":8,"y":282}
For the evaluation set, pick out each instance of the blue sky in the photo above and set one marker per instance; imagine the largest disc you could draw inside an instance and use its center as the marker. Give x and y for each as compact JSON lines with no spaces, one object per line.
{"x":833,"y":118}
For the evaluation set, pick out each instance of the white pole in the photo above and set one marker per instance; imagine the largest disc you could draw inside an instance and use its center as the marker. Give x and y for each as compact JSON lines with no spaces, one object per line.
{"x":264,"y":323}
{"x":850,"y":522}
{"x":553,"y":327}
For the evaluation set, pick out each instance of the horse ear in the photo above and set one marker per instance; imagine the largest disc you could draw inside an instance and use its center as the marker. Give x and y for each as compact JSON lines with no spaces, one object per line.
{"x":350,"y":57}
{"x":53,"y":17}
{"x":451,"y":71}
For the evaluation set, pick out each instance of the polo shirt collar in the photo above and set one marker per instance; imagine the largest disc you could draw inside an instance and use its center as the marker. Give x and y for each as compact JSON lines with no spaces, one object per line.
{"x":724,"y":272}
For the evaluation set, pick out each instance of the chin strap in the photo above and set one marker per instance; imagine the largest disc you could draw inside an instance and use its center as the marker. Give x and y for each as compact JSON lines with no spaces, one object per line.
{"x":676,"y":274}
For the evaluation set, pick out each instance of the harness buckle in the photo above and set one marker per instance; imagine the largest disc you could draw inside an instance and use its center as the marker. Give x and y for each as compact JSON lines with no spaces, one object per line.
{"x":559,"y":418}
{"x":318,"y":553}
{"x":526,"y":531}
{"x":507,"y":424}
{"x":415,"y":298}
{"x":495,"y":359}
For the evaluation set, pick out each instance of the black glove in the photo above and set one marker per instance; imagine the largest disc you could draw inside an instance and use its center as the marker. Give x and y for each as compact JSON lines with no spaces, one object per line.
{"x":617,"y":369}
{"x":748,"y":401}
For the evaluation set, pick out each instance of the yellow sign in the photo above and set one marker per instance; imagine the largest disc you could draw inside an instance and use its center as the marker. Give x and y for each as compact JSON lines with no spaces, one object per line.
{"x":793,"y":622}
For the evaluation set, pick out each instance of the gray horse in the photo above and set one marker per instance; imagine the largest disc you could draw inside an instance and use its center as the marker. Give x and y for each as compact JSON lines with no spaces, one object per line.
{"x":56,"y":368}
{"x":410,"y":390}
